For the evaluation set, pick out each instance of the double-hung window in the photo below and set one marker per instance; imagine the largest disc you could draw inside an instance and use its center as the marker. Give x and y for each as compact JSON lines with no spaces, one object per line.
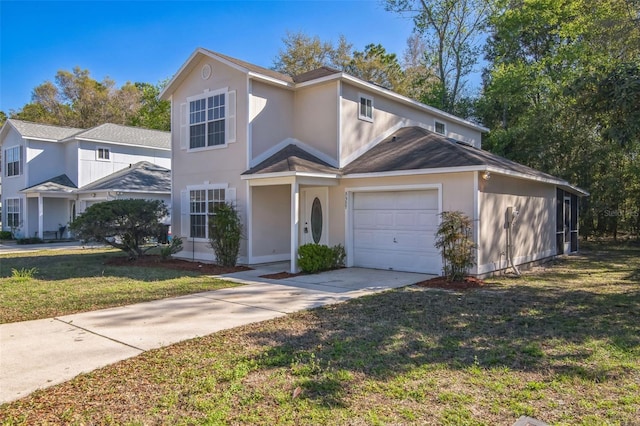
{"x":202,"y":203}
{"x":365,"y":110}
{"x":207,"y":121}
{"x":13,"y":161}
{"x":12,"y":207}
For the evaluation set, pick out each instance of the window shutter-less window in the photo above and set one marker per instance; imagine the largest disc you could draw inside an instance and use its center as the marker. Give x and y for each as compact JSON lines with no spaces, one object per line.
{"x":231,"y":116}
{"x":184,"y":126}
{"x":184,"y":213}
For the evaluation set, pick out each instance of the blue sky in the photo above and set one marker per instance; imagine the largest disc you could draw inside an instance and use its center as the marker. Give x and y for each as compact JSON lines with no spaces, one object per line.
{"x":148,"y":41}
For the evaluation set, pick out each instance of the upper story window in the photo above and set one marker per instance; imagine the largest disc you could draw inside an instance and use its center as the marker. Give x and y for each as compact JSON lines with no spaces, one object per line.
{"x":207,"y":121}
{"x":365,"y":111}
{"x":440,"y":128}
{"x":13,"y":161}
{"x":103,"y":154}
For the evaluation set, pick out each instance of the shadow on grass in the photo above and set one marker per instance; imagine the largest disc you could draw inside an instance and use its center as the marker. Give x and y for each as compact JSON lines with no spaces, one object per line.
{"x":559,"y":331}
{"x":53,"y":267}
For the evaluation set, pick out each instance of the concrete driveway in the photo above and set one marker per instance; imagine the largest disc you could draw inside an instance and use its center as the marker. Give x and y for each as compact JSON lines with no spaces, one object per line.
{"x":41,"y":353}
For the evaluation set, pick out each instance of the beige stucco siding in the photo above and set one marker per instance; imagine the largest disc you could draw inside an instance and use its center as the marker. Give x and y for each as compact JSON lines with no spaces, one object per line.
{"x":270,"y":116}
{"x":214,"y":165}
{"x":533,"y":230}
{"x":315,"y":117}
{"x":388,"y":116}
{"x":457,"y":194}
{"x":271,"y":230}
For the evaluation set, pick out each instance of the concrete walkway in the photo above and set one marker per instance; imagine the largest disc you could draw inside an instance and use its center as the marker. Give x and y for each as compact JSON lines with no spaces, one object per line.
{"x":41,"y":353}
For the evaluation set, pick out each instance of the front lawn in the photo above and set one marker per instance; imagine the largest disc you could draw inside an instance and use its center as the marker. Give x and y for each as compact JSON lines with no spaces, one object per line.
{"x":561,"y":345}
{"x":70,"y":281}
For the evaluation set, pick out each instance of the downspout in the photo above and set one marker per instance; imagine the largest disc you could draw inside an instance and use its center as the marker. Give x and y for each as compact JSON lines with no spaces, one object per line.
{"x":511,"y":216}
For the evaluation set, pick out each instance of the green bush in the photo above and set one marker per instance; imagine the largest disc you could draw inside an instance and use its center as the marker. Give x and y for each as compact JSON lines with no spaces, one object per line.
{"x":454,"y":239}
{"x":225,"y":233}
{"x":6,"y":235}
{"x":314,"y":258}
{"x":174,"y":247}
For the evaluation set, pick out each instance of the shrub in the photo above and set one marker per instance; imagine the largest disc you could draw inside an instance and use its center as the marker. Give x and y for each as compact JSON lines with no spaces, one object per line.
{"x":225,"y":233}
{"x":6,"y":235}
{"x":314,"y":258}
{"x":454,"y":241}
{"x":124,"y":224}
{"x":174,"y":247}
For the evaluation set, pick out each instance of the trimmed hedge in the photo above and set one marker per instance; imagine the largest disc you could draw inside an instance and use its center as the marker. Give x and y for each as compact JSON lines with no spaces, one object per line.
{"x":314,"y":258}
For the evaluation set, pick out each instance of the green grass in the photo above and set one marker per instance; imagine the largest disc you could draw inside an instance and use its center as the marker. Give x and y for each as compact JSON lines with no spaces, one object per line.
{"x":59,"y":282}
{"x":561,"y":344}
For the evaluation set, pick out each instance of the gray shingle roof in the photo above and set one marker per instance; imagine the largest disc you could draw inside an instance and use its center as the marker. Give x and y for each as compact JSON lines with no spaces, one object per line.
{"x":254,"y":68}
{"x":410,"y":148}
{"x":127,"y":135}
{"x":315,"y":74}
{"x":42,"y":131}
{"x":60,"y":183}
{"x":415,"y":148}
{"x":292,"y":159}
{"x":139,"y":177}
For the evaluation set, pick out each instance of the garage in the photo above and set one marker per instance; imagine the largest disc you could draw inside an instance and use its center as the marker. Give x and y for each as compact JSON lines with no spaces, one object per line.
{"x":396,"y":230}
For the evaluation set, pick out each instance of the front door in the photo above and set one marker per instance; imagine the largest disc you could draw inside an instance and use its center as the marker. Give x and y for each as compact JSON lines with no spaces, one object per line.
{"x":315,"y":216}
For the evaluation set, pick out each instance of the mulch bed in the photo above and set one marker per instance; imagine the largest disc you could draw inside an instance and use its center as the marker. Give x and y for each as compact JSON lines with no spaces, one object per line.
{"x":154,"y":261}
{"x":442,"y":282}
{"x":281,"y":275}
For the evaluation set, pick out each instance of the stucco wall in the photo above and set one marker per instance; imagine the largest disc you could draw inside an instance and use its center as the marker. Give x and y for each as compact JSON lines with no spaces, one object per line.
{"x":216,"y":165}
{"x":388,"y":115}
{"x":271,"y":215}
{"x":533,"y":231}
{"x":457,"y":194}
{"x":316,"y":117}
{"x":270,"y":117}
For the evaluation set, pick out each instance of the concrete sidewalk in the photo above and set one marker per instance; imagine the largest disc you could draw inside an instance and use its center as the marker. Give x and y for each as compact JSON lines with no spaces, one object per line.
{"x":41,"y":353}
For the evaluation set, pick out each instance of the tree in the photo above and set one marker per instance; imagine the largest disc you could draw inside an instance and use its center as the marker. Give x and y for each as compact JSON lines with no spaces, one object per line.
{"x":560,"y":94}
{"x":153,"y":113}
{"x":377,"y":66}
{"x":303,"y":53}
{"x":124,"y":224}
{"x":3,"y":118}
{"x":451,"y":30}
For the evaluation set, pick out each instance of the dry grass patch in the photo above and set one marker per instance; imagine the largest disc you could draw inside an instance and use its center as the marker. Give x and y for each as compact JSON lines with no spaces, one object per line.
{"x":561,"y":345}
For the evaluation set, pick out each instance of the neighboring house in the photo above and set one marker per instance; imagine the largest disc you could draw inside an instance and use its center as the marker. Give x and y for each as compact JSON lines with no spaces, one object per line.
{"x":325,"y":157}
{"x":50,"y":174}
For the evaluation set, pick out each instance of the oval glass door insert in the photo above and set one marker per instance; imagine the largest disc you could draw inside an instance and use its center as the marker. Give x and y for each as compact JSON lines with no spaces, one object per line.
{"x":316,"y":220}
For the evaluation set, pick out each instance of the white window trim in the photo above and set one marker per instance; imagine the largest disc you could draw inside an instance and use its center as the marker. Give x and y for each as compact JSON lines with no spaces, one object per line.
{"x":229,"y":116}
{"x":6,"y":212}
{"x":230,"y":196}
{"x":435,"y":127}
{"x":360,"y":115}
{"x":104,"y":148}
{"x":5,"y":164}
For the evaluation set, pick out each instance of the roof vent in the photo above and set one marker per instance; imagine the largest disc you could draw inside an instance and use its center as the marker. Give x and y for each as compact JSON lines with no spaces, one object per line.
{"x":393,"y":139}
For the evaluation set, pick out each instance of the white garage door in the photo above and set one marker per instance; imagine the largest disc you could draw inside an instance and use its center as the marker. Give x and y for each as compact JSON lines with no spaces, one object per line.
{"x":396,"y":230}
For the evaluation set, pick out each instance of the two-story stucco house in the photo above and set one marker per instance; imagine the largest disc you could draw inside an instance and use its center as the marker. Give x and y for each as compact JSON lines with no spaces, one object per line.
{"x":325,"y":157}
{"x":50,"y":174}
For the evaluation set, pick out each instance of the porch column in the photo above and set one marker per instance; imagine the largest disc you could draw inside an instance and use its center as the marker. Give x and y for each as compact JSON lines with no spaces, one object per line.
{"x":40,"y":216}
{"x":295,"y":223}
